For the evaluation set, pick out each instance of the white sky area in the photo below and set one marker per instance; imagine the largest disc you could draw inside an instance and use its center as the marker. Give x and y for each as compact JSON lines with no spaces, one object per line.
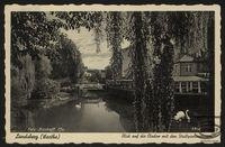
{"x":86,"y":44}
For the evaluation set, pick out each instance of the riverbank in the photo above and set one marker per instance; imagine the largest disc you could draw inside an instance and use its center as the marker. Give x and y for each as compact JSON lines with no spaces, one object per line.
{"x":22,"y":110}
{"x":59,"y":99}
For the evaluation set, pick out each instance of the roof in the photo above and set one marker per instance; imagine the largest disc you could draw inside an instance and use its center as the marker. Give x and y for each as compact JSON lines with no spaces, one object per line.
{"x":188,"y":78}
{"x":187,"y":58}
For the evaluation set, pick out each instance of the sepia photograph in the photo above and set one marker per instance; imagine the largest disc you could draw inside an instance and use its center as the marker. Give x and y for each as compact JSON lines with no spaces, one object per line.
{"x":111,"y":71}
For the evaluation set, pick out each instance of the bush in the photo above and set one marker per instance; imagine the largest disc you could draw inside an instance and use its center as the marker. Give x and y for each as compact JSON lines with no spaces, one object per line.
{"x":46,"y":88}
{"x":43,"y":67}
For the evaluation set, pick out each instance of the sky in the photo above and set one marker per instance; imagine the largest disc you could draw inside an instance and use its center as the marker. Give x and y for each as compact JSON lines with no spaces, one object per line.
{"x":85,"y":42}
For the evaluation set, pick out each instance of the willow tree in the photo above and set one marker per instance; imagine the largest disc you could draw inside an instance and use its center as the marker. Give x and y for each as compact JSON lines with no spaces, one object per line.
{"x":139,"y":69}
{"x":167,"y":87}
{"x":152,"y":71}
{"x":114,"y":37}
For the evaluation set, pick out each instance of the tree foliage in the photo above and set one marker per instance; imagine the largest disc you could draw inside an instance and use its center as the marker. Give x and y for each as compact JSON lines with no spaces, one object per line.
{"x":115,"y":37}
{"x":140,"y":70}
{"x":34,"y":37}
{"x":89,"y":20}
{"x":66,"y":60}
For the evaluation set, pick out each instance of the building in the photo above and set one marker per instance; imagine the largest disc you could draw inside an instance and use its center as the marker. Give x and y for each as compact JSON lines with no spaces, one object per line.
{"x":190,"y":75}
{"x":102,"y":74}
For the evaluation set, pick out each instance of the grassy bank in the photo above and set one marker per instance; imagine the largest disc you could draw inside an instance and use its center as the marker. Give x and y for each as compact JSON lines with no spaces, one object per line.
{"x":60,"y":99}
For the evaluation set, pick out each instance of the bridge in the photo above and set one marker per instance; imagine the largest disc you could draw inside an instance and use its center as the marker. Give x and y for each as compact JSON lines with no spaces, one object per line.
{"x":90,"y":86}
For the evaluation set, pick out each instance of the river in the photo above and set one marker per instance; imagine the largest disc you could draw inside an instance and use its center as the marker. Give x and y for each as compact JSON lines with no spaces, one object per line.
{"x":91,"y":114}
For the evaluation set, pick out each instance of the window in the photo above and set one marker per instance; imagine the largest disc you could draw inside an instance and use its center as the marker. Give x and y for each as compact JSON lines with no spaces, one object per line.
{"x":195,"y":87}
{"x":188,"y":68}
{"x":184,"y":86}
{"x":177,"y":87}
{"x":189,"y":86}
{"x":176,"y":69}
{"x":203,"y":86}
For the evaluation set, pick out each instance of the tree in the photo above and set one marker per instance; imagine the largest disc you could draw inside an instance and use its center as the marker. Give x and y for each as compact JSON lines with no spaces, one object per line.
{"x":23,"y":79}
{"x":140,"y":72}
{"x":163,"y":87}
{"x":114,"y":36}
{"x":33,"y":37}
{"x":66,"y":60}
{"x":30,"y":33}
{"x":108,"y":72}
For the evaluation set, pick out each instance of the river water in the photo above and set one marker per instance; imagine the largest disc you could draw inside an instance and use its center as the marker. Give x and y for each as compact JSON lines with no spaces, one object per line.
{"x":92,"y":114}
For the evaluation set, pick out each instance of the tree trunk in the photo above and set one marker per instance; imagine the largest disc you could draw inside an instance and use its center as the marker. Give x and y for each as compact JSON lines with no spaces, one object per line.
{"x":140,"y":73}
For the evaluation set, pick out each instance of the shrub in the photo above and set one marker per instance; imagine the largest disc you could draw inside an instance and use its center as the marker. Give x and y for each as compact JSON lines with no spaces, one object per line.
{"x":46,"y":88}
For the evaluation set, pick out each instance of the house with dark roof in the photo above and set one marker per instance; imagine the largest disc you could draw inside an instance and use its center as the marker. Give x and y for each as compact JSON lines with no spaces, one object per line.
{"x":189,"y":75}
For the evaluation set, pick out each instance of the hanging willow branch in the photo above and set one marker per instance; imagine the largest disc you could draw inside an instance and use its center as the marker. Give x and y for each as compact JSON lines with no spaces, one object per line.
{"x":160,"y":90}
{"x":98,"y":18}
{"x":140,"y":70}
{"x":114,"y":37}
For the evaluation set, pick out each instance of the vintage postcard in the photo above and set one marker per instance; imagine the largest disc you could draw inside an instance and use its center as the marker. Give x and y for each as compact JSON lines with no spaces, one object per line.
{"x":112,"y":74}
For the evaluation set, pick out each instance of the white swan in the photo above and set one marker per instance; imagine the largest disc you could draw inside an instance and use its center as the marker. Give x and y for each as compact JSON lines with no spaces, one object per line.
{"x":78,"y":106}
{"x":180,"y":115}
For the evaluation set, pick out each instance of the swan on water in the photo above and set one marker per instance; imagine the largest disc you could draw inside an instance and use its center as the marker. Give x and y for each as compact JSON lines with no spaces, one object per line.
{"x":78,"y":106}
{"x":180,"y":115}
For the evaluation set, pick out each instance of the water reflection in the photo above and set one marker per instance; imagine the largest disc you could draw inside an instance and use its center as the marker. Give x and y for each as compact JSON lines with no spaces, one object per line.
{"x":88,"y":115}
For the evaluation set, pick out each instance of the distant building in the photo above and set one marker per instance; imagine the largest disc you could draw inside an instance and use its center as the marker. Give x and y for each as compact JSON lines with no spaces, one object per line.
{"x":94,"y":75}
{"x":190,"y":75}
{"x":102,"y":74}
